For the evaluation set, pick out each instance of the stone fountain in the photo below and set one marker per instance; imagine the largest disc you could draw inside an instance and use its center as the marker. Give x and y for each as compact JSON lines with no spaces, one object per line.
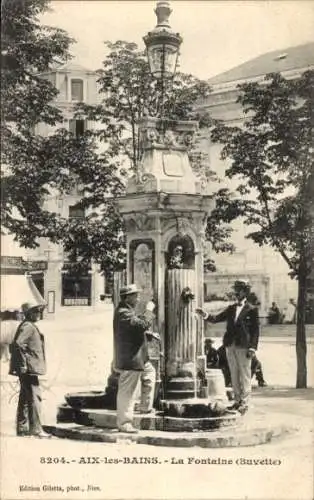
{"x":165,"y":210}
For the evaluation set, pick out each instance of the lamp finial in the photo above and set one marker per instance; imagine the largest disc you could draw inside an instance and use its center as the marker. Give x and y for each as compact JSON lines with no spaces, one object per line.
{"x":163,"y":11}
{"x":163,"y":44}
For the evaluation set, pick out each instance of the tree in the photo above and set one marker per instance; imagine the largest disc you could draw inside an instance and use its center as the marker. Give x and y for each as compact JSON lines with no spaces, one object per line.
{"x":38,"y":167}
{"x":129,"y":93}
{"x":272,"y":156}
{"x":34,"y":166}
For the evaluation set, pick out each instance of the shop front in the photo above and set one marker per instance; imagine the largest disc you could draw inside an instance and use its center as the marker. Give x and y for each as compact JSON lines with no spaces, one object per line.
{"x":76,"y":286}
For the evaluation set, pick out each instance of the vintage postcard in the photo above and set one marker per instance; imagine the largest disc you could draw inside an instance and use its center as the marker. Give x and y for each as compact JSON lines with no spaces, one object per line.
{"x":157,"y":278}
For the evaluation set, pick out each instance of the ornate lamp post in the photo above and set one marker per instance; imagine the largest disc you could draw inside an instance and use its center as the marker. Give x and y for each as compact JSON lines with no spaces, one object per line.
{"x":162,"y":45}
{"x":166,"y":207}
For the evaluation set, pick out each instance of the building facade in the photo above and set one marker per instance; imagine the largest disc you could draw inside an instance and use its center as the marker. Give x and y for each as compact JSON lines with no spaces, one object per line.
{"x":268,"y":273}
{"x":265,"y":268}
{"x":48,"y":264}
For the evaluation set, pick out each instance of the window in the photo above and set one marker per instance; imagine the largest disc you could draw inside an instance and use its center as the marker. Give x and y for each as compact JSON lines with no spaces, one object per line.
{"x":76,"y":90}
{"x":76,"y":290}
{"x":76,"y":212}
{"x":77,"y":127}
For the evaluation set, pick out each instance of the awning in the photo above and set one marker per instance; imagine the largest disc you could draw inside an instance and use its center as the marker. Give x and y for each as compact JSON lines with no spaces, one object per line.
{"x":17,"y":289}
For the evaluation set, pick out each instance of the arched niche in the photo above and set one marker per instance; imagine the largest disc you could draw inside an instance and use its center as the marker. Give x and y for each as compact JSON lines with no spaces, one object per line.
{"x":180,"y":252}
{"x":142,"y":266}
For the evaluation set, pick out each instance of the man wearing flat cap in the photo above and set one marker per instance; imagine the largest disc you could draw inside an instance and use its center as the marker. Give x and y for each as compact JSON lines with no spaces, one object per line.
{"x":131,"y":355}
{"x":28,"y":361}
{"x":240,"y":341}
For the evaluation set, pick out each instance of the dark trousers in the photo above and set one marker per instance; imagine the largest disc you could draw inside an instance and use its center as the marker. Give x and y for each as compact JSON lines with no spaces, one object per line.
{"x":29,"y":405}
{"x":257,"y":370}
{"x":224,"y":367}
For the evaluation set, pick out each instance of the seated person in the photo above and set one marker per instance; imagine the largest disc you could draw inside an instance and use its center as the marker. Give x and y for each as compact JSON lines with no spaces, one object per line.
{"x":253,"y":299}
{"x":257,"y":370}
{"x":274,"y":314}
{"x":211,"y":354}
{"x":223,"y":365}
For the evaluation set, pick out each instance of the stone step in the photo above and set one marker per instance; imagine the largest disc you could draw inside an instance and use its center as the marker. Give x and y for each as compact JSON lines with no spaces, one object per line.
{"x":155,"y":421}
{"x":180,"y":394}
{"x":242,"y":435}
{"x":182,"y":383}
{"x":88,"y":399}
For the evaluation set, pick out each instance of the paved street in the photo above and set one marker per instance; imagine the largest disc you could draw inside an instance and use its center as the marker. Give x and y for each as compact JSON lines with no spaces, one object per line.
{"x":79,"y":347}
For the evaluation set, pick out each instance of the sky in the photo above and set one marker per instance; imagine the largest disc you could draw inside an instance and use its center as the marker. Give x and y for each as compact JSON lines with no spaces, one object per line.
{"x":217,"y":35}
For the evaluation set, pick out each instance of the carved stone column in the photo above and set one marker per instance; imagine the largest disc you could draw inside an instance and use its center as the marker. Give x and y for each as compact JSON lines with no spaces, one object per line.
{"x":181,"y":341}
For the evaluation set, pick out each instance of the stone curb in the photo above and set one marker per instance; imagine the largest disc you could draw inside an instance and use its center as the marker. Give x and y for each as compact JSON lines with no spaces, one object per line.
{"x":213,"y":439}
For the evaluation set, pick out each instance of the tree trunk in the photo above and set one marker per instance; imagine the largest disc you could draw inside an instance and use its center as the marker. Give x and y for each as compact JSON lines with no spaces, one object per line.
{"x":300,"y":333}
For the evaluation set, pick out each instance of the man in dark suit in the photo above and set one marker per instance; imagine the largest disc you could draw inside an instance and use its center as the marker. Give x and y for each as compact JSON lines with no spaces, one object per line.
{"x":240,"y":340}
{"x":131,"y":356}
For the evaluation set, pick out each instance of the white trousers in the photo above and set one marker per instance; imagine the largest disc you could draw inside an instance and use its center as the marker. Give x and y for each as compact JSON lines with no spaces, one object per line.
{"x":148,"y":382}
{"x":240,"y":370}
{"x":128,"y":389}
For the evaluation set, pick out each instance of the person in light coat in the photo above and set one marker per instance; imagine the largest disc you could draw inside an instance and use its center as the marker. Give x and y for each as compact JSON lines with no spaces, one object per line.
{"x":28,"y":361}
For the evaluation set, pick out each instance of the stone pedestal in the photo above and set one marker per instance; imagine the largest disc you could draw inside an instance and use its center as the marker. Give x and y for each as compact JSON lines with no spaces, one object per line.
{"x":215,"y":385}
{"x":153,"y":221}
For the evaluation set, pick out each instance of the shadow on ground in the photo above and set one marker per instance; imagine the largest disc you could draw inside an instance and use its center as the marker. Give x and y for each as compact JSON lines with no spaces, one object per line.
{"x":285,"y":392}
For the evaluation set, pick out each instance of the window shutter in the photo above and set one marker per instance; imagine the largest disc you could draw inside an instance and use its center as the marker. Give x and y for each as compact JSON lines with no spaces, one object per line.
{"x":72,"y":127}
{"x":77,"y":90}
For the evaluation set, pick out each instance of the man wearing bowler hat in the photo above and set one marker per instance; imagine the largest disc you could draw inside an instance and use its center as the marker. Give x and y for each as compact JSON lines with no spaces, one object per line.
{"x":131,"y":354}
{"x":28,"y":361}
{"x":240,"y":340}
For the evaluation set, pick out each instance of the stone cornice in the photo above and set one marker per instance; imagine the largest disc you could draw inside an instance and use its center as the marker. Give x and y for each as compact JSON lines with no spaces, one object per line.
{"x":290,"y":74}
{"x":166,"y":134}
{"x":159,"y":203}
{"x":226,"y":93}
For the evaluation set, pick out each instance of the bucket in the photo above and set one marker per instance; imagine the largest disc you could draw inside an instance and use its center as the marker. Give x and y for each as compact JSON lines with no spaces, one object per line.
{"x":215,"y":384}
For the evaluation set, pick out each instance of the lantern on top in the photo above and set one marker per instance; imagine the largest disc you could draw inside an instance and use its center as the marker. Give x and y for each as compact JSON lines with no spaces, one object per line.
{"x":162,"y":45}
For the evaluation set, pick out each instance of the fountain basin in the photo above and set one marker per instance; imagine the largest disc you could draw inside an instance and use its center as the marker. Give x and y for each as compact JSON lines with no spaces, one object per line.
{"x":156,"y":421}
{"x":195,"y":408}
